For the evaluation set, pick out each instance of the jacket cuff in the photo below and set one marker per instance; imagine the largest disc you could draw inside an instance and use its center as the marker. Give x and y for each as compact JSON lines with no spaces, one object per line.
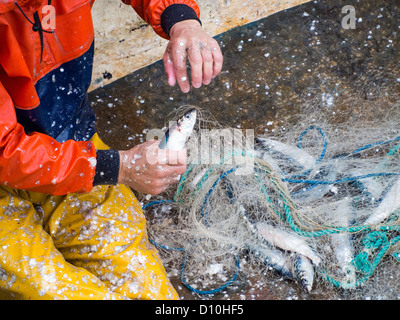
{"x":107,"y":167}
{"x":175,"y":13}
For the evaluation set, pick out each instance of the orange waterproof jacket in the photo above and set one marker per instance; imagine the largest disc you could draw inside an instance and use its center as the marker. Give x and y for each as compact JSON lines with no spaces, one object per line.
{"x":45,"y":118}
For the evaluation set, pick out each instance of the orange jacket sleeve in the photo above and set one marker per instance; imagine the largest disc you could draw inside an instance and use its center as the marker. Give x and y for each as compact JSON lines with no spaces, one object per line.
{"x":39,"y":163}
{"x":152,"y":10}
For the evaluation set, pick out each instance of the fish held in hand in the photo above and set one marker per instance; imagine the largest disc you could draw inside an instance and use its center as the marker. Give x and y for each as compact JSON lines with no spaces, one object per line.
{"x":179,"y":131}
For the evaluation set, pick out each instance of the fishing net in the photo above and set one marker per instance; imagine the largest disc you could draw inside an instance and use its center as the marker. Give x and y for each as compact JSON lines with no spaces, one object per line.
{"x":324,"y":190}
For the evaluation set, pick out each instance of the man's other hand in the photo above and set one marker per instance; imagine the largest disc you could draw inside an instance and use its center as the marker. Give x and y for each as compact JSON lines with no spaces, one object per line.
{"x":188,"y":41}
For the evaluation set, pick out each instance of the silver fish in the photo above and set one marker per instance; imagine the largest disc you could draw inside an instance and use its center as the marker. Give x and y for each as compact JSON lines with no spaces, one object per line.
{"x":295,"y":267}
{"x":318,"y":192}
{"x":304,"y":271}
{"x":287,"y":241}
{"x":342,"y":242}
{"x":389,"y":204}
{"x":302,"y":157}
{"x":273,"y":259}
{"x":179,"y":131}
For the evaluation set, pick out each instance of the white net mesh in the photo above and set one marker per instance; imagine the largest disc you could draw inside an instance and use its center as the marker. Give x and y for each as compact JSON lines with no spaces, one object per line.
{"x":316,"y":202}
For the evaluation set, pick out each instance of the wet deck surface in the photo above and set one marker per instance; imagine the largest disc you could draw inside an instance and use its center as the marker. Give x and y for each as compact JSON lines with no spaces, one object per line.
{"x":273,"y":70}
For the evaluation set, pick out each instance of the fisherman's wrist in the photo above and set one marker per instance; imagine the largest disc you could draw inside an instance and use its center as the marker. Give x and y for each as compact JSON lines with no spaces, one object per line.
{"x":175,"y":13}
{"x":107,"y":167}
{"x":123,"y":174}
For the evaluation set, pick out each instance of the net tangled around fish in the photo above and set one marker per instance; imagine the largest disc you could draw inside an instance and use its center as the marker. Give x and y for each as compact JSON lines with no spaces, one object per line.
{"x":315,"y":201}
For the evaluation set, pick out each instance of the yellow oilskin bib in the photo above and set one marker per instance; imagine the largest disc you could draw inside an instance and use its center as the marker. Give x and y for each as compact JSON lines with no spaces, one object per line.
{"x":79,"y":246}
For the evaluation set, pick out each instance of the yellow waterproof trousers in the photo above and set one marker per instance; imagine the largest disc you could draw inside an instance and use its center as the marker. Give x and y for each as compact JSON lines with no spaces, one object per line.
{"x":80,"y":246}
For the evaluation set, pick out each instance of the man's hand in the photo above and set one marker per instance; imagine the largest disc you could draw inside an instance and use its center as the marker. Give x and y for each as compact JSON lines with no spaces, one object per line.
{"x":189,"y":41}
{"x":148,"y":169}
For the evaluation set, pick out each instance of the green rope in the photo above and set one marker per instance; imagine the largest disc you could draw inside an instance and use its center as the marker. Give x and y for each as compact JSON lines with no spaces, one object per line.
{"x":375,"y":242}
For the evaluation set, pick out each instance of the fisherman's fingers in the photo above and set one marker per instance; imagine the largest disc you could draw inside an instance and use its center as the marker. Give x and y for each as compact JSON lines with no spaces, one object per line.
{"x":171,"y":157}
{"x":176,"y":50}
{"x":160,"y":179}
{"x":169,"y":68}
{"x":218,"y":58}
{"x":196,"y":65}
{"x":205,"y":57}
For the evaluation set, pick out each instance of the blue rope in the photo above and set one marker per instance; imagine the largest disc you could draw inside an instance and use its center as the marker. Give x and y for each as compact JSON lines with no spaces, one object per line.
{"x":152,"y":241}
{"x":144,"y":207}
{"x":320,"y":158}
{"x":222,"y":176}
{"x":183,"y":266}
{"x":312,"y":183}
{"x":368,"y":146}
{"x":325,"y":141}
{"x":209,"y":292}
{"x":361,"y":262}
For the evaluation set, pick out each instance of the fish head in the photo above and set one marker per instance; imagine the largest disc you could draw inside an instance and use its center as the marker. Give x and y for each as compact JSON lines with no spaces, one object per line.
{"x":187,"y":121}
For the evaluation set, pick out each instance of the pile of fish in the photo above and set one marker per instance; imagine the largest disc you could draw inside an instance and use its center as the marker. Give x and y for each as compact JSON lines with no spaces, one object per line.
{"x":291,"y":254}
{"x":283,"y":250}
